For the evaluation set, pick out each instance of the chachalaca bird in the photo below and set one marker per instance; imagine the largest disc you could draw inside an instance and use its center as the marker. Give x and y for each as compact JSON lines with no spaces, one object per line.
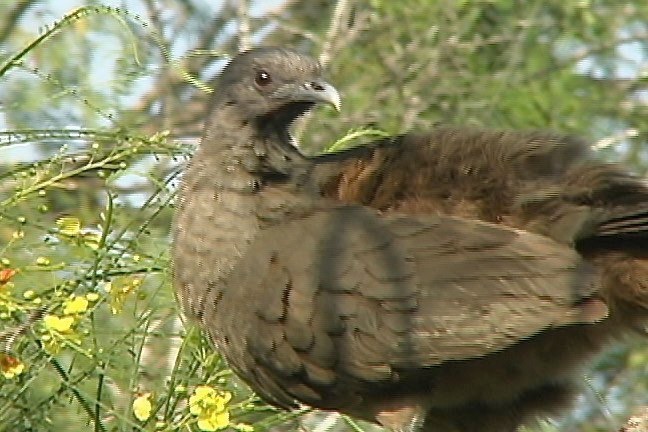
{"x":451,"y":281}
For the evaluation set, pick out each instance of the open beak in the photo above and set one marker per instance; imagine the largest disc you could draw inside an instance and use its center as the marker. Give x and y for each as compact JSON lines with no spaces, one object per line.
{"x":317,"y":91}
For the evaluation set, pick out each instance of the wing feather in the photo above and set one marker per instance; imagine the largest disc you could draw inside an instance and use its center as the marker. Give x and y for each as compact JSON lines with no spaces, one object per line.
{"x":372,"y":294}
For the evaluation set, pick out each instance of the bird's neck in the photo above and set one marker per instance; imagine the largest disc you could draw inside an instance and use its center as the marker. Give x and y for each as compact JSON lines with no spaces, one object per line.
{"x":243,"y":154}
{"x":254,"y":165}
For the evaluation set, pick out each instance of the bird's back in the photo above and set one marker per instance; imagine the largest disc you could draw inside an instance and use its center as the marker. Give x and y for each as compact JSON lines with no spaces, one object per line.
{"x":527,"y":180}
{"x":539,"y":182}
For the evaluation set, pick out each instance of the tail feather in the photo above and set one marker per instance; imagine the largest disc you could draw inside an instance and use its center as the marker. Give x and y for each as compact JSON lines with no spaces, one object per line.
{"x":634,"y":223}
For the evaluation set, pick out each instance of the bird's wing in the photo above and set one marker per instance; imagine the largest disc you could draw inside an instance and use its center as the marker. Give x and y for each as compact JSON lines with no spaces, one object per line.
{"x":346,"y":290}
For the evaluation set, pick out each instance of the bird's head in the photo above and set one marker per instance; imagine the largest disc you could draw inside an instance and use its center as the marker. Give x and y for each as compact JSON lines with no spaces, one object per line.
{"x":273,"y":86}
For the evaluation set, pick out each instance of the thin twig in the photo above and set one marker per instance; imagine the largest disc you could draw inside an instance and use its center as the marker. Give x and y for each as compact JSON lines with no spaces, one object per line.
{"x":165,"y":79}
{"x":340,"y":15}
{"x":12,"y":18}
{"x":243,"y":19}
{"x":8,"y":337}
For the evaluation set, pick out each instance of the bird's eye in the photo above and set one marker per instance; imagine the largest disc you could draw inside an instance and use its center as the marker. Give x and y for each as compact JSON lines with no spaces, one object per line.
{"x":262,"y":78}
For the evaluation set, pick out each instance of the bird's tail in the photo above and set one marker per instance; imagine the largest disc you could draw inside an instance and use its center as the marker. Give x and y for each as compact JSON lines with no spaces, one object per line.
{"x":617,"y":238}
{"x":620,"y":245}
{"x":629,"y":224}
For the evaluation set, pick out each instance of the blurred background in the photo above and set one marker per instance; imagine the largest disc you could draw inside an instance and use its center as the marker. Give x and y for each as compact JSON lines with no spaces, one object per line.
{"x":102,"y":102}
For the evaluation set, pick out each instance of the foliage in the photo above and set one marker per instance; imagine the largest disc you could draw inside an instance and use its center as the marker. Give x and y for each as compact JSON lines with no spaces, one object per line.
{"x":101,"y":107}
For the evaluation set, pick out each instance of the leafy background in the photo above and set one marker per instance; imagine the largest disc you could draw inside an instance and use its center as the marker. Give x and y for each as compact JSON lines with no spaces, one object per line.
{"x":102,"y":102}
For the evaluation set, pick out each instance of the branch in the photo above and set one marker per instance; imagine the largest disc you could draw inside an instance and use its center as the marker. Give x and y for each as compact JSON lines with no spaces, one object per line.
{"x":9,"y":336}
{"x":637,"y":423}
{"x":13,"y":16}
{"x":189,"y":118}
{"x":585,"y":53}
{"x":243,"y":18}
{"x":164,"y":80}
{"x":340,"y":15}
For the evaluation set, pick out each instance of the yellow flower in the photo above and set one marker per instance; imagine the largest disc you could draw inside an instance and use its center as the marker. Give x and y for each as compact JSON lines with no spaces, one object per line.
{"x":75,"y":305}
{"x":10,"y":367}
{"x":142,"y":407}
{"x":119,"y":291}
{"x":61,"y":325}
{"x":107,"y":286}
{"x":93,"y":297}
{"x":43,"y":261}
{"x":91,"y":239}
{"x":69,"y":226}
{"x":209,"y":405}
{"x":214,"y":421}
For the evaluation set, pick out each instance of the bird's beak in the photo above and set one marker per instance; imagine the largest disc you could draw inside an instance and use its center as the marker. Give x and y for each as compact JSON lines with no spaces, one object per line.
{"x":317,"y":91}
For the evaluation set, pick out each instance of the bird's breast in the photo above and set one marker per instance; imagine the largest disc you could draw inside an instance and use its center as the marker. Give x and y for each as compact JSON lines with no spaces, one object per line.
{"x":212,"y":230}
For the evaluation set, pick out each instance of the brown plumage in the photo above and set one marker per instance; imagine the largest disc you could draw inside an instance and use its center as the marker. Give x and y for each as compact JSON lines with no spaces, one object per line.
{"x":451,"y":281}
